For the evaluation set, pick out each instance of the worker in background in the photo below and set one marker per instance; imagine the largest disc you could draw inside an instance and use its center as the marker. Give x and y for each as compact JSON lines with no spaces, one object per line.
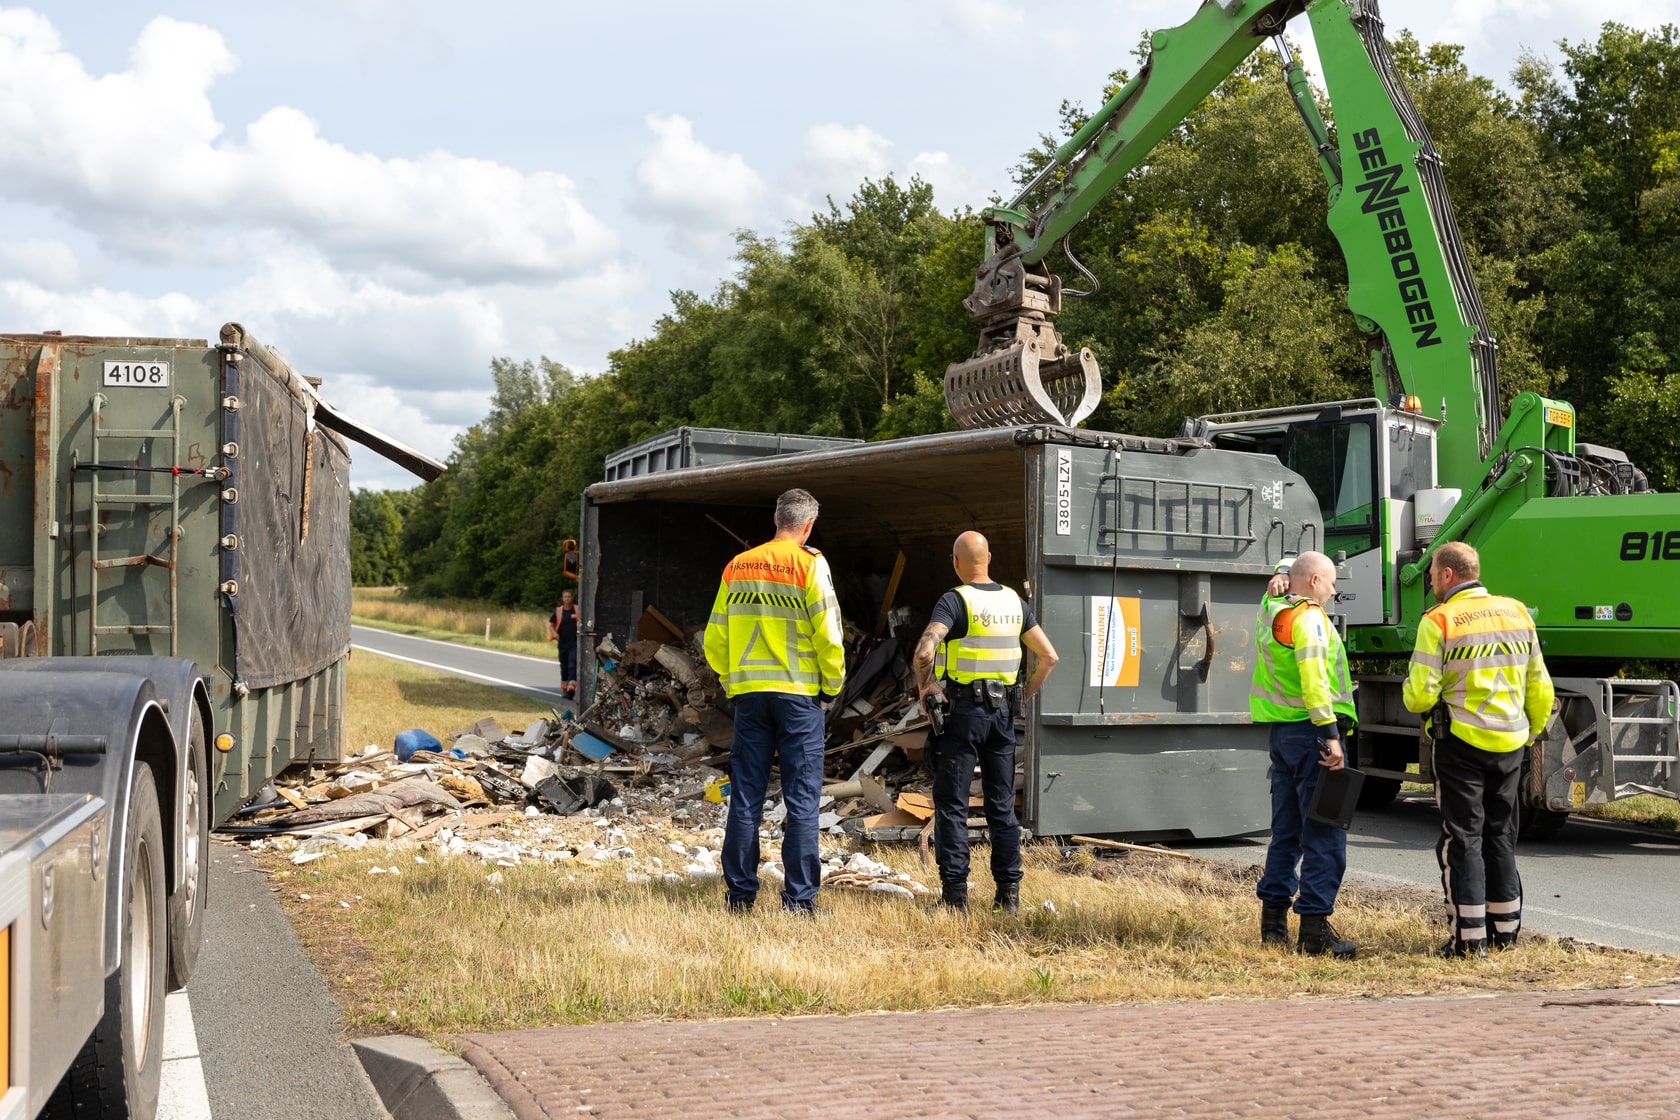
{"x":1303,"y":693}
{"x":775,"y":642}
{"x":563,"y":630}
{"x":1477,"y":669}
{"x":973,"y":643}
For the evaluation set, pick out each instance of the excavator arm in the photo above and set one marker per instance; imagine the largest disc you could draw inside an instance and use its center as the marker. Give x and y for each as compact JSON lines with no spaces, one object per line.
{"x":1410,"y":286}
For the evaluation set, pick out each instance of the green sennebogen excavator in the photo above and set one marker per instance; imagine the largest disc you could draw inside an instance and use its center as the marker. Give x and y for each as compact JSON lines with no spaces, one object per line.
{"x":1570,"y":528}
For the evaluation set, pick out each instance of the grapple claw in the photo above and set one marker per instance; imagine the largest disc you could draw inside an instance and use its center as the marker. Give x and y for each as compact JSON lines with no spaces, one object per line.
{"x":1035,"y":380}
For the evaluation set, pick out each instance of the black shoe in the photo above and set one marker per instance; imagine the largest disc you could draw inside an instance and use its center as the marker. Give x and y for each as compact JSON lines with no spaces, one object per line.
{"x":740,"y":905}
{"x":1008,"y":898}
{"x":1456,"y":949}
{"x":954,"y":895}
{"x":806,"y":910}
{"x":1274,"y":926}
{"x":1505,"y":942}
{"x":1319,"y":937}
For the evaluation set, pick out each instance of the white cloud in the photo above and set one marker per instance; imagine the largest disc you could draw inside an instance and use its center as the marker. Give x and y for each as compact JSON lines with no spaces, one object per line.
{"x":702,"y":195}
{"x":101,"y":311}
{"x":46,"y":262}
{"x":991,"y":19}
{"x":953,"y":184}
{"x":141,"y":158}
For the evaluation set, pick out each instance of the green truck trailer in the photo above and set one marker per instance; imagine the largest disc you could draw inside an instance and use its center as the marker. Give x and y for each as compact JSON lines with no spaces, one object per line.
{"x":174,"y":628}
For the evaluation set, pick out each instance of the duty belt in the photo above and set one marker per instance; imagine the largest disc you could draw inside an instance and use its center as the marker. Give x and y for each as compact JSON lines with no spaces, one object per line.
{"x":977,"y":693}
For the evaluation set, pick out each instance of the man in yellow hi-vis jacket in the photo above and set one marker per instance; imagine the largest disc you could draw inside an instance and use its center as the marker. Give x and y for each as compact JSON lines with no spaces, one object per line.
{"x":775,"y":642}
{"x":1302,"y":692}
{"x":1478,"y":657}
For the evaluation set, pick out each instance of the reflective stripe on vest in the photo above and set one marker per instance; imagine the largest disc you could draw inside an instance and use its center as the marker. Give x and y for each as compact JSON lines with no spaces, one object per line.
{"x":991,"y":650}
{"x":1486,"y":644}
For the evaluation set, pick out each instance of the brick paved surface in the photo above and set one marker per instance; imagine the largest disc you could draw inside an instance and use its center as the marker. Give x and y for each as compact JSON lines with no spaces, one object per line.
{"x":1520,"y":1055}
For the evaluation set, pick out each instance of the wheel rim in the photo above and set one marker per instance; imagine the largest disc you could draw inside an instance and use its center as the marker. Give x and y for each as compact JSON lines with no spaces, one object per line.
{"x":190,"y":864}
{"x":141,"y":947}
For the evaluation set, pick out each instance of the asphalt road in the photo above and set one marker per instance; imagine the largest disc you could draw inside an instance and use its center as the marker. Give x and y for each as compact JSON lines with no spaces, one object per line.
{"x":536,"y":677}
{"x":1597,"y":881}
{"x":262,"y":1026}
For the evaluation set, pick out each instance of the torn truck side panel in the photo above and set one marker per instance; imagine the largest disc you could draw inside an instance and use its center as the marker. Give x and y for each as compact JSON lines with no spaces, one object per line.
{"x":1144,"y":560}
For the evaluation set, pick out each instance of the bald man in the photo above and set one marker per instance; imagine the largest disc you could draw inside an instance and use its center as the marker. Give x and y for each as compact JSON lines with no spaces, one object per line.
{"x":970,"y":657}
{"x":1303,"y":693}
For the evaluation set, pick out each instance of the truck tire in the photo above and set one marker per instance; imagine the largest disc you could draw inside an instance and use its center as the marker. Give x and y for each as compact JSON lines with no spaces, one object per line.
{"x":1535,"y":823}
{"x":118,"y":1070}
{"x":1378,"y":792}
{"x":186,"y":905}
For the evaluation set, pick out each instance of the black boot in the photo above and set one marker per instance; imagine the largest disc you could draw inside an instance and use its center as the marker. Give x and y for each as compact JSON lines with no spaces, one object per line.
{"x":1319,"y":937}
{"x":1008,"y":898}
{"x":1456,"y":948}
{"x":1504,"y":941}
{"x":1274,"y":925}
{"x":954,"y":895}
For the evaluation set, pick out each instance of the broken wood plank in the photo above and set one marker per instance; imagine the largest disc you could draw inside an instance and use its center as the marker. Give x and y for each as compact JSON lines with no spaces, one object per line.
{"x":1121,"y":845}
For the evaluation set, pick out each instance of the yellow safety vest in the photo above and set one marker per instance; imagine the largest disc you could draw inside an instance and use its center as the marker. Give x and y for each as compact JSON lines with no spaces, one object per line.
{"x":1480,"y":653}
{"x":991,"y":650}
{"x":1300,"y":666}
{"x":775,"y":624}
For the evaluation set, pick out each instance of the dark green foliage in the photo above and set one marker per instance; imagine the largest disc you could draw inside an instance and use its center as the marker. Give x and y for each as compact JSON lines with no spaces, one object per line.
{"x":1220,"y":288}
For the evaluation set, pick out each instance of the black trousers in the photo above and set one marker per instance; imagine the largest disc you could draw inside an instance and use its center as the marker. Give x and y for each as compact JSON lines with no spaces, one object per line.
{"x":974,"y":733}
{"x":1476,"y":791}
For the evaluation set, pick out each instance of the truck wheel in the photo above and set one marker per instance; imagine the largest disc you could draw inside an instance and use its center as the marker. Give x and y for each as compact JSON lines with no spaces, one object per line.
{"x":118,"y":1070}
{"x":1536,"y":823}
{"x":1378,"y":792}
{"x":186,"y":906}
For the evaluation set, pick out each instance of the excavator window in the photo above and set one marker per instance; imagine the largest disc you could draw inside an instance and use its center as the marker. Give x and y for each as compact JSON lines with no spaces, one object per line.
{"x":1338,"y":460}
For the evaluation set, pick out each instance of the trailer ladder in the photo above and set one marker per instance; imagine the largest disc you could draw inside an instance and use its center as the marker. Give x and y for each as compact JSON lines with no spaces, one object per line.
{"x":170,"y":434}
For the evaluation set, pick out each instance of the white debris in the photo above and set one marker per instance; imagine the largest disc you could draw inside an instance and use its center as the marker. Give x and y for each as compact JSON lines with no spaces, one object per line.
{"x":891,"y":888}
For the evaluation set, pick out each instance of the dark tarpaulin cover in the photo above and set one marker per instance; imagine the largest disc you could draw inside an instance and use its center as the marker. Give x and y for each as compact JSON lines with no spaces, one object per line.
{"x":293,"y":609}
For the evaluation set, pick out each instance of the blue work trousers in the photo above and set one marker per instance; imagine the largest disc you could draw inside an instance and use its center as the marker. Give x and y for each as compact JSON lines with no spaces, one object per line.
{"x":973,"y":733}
{"x":786,"y":729}
{"x":1319,"y":849}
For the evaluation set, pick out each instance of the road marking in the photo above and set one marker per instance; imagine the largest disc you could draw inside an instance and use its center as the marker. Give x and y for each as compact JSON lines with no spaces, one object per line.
{"x":1530,"y":908}
{"x":499,"y":682}
{"x":463,"y":645}
{"x":181,"y":1095}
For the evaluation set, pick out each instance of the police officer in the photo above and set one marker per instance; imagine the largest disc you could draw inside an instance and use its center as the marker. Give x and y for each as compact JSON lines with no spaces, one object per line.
{"x":775,"y":642}
{"x":1478,"y":657}
{"x":1303,"y":692}
{"x":973,"y":642}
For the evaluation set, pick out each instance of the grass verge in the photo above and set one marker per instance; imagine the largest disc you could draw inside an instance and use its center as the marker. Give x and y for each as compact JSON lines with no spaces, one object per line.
{"x":385,"y":696}
{"x":443,"y":944}
{"x":453,"y":620}
{"x":1646,"y":808}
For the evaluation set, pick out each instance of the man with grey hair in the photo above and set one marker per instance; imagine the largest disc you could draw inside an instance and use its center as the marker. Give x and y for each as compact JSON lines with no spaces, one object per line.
{"x":1303,"y":693}
{"x":775,"y":642}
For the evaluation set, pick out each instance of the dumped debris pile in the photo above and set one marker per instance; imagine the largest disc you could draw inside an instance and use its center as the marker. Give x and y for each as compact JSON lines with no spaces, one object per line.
{"x":644,"y":768}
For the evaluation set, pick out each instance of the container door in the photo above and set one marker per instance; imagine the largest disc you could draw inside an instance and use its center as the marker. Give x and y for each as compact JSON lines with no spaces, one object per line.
{"x":1149,"y":573}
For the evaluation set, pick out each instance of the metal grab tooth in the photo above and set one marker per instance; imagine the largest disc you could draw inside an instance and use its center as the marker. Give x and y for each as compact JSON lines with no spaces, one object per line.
{"x":1014,"y":386}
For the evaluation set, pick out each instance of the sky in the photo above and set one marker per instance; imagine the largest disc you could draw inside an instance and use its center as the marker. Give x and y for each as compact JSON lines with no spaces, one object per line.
{"x":393,"y":192}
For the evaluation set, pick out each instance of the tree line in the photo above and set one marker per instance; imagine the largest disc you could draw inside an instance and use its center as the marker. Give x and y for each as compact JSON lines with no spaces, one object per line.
{"x":1220,"y":287}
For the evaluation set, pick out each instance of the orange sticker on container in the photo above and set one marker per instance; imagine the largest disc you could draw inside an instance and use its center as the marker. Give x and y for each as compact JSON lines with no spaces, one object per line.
{"x":1116,"y":642}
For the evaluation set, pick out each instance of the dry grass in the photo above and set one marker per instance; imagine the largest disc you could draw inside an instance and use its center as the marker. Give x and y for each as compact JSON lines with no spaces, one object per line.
{"x":456,"y":620}
{"x":440,"y":948}
{"x":385,"y":696}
